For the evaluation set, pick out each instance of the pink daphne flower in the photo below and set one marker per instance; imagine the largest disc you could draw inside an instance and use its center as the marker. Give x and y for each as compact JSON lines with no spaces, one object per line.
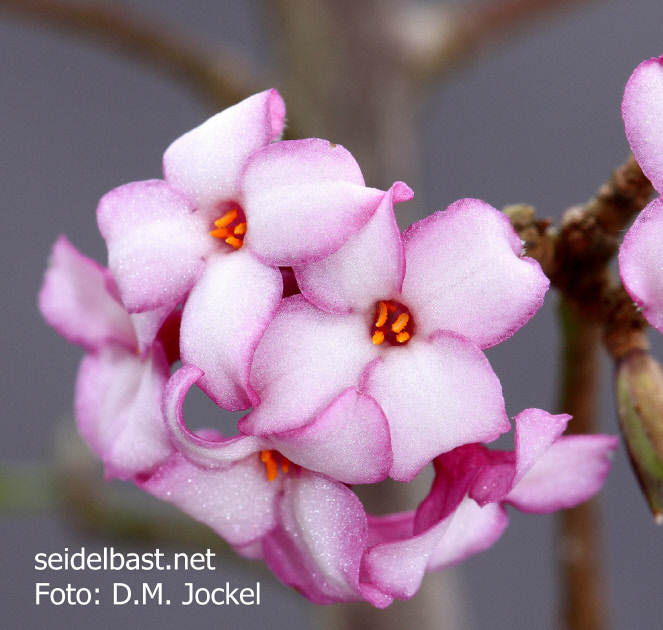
{"x":234,"y":206}
{"x":642,"y":249}
{"x":118,"y":392}
{"x":401,"y":320}
{"x":313,"y":531}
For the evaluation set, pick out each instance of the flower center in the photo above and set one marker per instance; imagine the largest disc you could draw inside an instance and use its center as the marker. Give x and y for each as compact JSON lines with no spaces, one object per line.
{"x":271,"y":460}
{"x":231,"y":227}
{"x":393,"y":323}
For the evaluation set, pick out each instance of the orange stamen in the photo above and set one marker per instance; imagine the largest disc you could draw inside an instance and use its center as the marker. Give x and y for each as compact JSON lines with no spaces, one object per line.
{"x":226,"y":219}
{"x":285,"y":464}
{"x":400,"y":323}
{"x":267,"y":457}
{"x":402,"y":337}
{"x":378,"y":337}
{"x":235,"y":242}
{"x":390,"y":307}
{"x":220,"y":233}
{"x":382,"y":316}
{"x":240,"y":228}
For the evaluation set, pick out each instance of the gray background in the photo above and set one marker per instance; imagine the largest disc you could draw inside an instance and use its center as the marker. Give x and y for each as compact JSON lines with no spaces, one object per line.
{"x":537,"y":120}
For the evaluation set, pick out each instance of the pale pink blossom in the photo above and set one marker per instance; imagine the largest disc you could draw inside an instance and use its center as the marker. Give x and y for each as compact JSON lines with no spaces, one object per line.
{"x":402,"y":320}
{"x":234,"y":206}
{"x":118,"y":392}
{"x":641,"y":252}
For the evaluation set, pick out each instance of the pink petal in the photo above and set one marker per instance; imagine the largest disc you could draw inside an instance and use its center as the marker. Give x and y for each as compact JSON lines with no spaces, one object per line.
{"x":349,"y":441}
{"x":118,"y":409}
{"x":368,"y":268}
{"x":211,"y":451}
{"x":464,"y":274}
{"x":74,"y":300}
{"x":206,"y":162}
{"x":319,"y":546}
{"x":640,"y":262}
{"x":292,"y":192}
{"x":305,"y":360}
{"x":472,"y":529}
{"x":397,"y":568}
{"x":570,"y":472}
{"x":436,"y":395}
{"x":642,"y":111}
{"x":155,"y":244}
{"x":223,"y":320}
{"x":148,"y":324}
{"x":237,"y":502}
{"x":536,"y":430}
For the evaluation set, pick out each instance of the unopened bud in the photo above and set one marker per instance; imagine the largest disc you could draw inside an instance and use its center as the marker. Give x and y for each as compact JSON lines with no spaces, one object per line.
{"x":640,"y":407}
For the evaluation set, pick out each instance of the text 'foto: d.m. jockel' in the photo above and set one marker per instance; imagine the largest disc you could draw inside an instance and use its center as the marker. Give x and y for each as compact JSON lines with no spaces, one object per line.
{"x":284,"y":286}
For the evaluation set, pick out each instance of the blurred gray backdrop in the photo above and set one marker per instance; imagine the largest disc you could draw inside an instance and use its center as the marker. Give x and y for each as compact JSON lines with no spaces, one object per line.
{"x":536,"y":120}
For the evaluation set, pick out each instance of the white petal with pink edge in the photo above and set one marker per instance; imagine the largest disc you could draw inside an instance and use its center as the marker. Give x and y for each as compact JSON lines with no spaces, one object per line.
{"x":465,"y":274}
{"x":642,"y":111}
{"x":75,"y":301}
{"x":302,"y":200}
{"x":305,"y":360}
{"x":206,"y":162}
{"x":238,"y":502}
{"x":349,"y":441}
{"x":223,"y":320}
{"x":436,"y":395}
{"x":570,"y":472}
{"x":640,"y":259}
{"x":368,"y":268}
{"x":118,"y":410}
{"x":155,"y":243}
{"x":319,"y":545}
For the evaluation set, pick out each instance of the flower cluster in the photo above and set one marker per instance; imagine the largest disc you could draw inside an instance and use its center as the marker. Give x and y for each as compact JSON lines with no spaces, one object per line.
{"x":284,"y":286}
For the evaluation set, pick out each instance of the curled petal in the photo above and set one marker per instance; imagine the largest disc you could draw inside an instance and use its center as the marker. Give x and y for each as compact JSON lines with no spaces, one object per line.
{"x":349,"y":441}
{"x":472,"y":529}
{"x":436,"y":396}
{"x":75,"y":301}
{"x":465,"y":274}
{"x":155,"y":243}
{"x":368,"y":268}
{"x":642,"y":111}
{"x":293,"y":191}
{"x":238,"y":502}
{"x":305,"y":360}
{"x":319,"y":546}
{"x":118,"y":409}
{"x":206,"y":162}
{"x":223,"y":320}
{"x":640,"y":262}
{"x":201,"y":450}
{"x":536,"y":430}
{"x":570,"y":472}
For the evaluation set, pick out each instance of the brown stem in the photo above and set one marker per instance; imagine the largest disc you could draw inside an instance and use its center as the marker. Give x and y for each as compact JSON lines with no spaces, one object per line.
{"x":462,"y":32}
{"x":222,"y":78}
{"x":583,"y":589}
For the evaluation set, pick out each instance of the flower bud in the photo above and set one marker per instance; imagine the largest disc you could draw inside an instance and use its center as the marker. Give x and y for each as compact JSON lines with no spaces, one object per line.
{"x":640,"y":408}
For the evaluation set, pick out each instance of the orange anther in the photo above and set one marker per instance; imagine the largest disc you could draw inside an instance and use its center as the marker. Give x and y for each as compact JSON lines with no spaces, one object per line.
{"x":402,"y":337}
{"x":220,"y":233}
{"x":382,"y":316}
{"x":267,"y":457}
{"x":400,"y":323}
{"x":240,"y":228}
{"x":226,"y":219}
{"x":235,"y":242}
{"x":378,"y":337}
{"x":285,"y":464}
{"x":390,"y":307}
